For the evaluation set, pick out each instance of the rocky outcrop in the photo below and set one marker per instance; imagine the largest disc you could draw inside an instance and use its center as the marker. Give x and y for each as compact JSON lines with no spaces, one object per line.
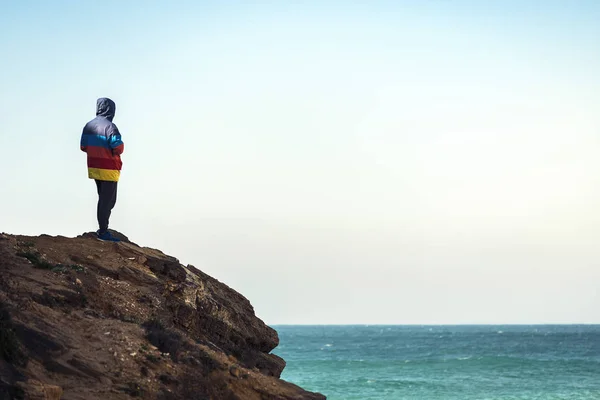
{"x":85,"y":319}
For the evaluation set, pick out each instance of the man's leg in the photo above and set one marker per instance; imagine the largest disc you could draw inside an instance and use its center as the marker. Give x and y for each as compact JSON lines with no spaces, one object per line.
{"x":107,"y":197}
{"x":113,"y":195}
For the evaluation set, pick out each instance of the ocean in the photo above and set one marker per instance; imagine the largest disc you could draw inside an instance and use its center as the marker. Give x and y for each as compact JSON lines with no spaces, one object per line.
{"x":490,"y":362}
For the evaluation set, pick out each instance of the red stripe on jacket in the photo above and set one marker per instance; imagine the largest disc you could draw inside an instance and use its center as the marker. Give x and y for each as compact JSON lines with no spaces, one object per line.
{"x":104,"y":163}
{"x":118,"y":150}
{"x":99,"y":152}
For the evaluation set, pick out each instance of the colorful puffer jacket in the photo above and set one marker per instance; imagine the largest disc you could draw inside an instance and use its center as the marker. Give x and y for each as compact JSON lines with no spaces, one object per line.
{"x":102,"y":142}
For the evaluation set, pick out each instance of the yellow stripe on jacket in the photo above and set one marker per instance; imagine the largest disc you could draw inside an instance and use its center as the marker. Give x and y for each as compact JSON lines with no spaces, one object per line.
{"x":104,"y":174}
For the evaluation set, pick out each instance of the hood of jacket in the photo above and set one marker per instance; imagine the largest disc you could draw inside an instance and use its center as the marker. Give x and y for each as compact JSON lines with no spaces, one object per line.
{"x":105,"y":107}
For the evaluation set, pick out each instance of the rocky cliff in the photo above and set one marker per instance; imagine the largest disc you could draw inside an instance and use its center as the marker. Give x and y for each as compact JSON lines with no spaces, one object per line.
{"x":85,"y":319}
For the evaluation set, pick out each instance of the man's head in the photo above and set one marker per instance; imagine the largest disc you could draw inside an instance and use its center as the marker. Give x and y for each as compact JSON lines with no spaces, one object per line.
{"x":105,"y":107}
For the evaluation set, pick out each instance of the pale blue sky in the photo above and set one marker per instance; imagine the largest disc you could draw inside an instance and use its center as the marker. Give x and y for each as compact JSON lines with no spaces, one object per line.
{"x":375,"y":162}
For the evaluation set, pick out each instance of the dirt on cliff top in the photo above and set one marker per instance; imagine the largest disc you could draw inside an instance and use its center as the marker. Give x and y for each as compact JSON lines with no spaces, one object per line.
{"x":85,"y":319}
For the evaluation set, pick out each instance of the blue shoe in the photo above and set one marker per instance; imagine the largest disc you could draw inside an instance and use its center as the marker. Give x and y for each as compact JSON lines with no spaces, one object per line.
{"x":106,"y":236}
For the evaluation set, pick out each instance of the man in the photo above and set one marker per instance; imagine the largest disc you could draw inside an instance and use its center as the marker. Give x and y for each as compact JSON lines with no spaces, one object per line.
{"x":102,"y":142}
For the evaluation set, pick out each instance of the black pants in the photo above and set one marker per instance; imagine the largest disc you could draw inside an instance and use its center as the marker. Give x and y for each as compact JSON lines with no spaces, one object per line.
{"x":107,"y":198}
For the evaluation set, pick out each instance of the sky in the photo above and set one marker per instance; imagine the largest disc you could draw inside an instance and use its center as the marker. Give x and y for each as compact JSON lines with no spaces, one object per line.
{"x":381,"y":162}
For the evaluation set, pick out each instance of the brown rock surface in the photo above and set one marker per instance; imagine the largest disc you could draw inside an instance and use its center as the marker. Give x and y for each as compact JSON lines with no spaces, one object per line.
{"x":86,"y":319}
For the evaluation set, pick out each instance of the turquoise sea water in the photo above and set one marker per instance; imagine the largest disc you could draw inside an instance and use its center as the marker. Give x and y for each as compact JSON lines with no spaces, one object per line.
{"x":444,"y":362}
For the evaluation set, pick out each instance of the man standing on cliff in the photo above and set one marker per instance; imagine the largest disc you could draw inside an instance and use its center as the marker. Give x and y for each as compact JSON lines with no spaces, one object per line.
{"x":102,"y":142}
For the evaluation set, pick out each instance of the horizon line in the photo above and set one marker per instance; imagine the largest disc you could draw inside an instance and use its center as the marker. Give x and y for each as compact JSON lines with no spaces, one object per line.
{"x":453,"y":324}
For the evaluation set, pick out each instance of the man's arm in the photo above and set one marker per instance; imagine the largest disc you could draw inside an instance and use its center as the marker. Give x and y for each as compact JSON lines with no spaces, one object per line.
{"x":115,"y":142}
{"x":83,"y":143}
